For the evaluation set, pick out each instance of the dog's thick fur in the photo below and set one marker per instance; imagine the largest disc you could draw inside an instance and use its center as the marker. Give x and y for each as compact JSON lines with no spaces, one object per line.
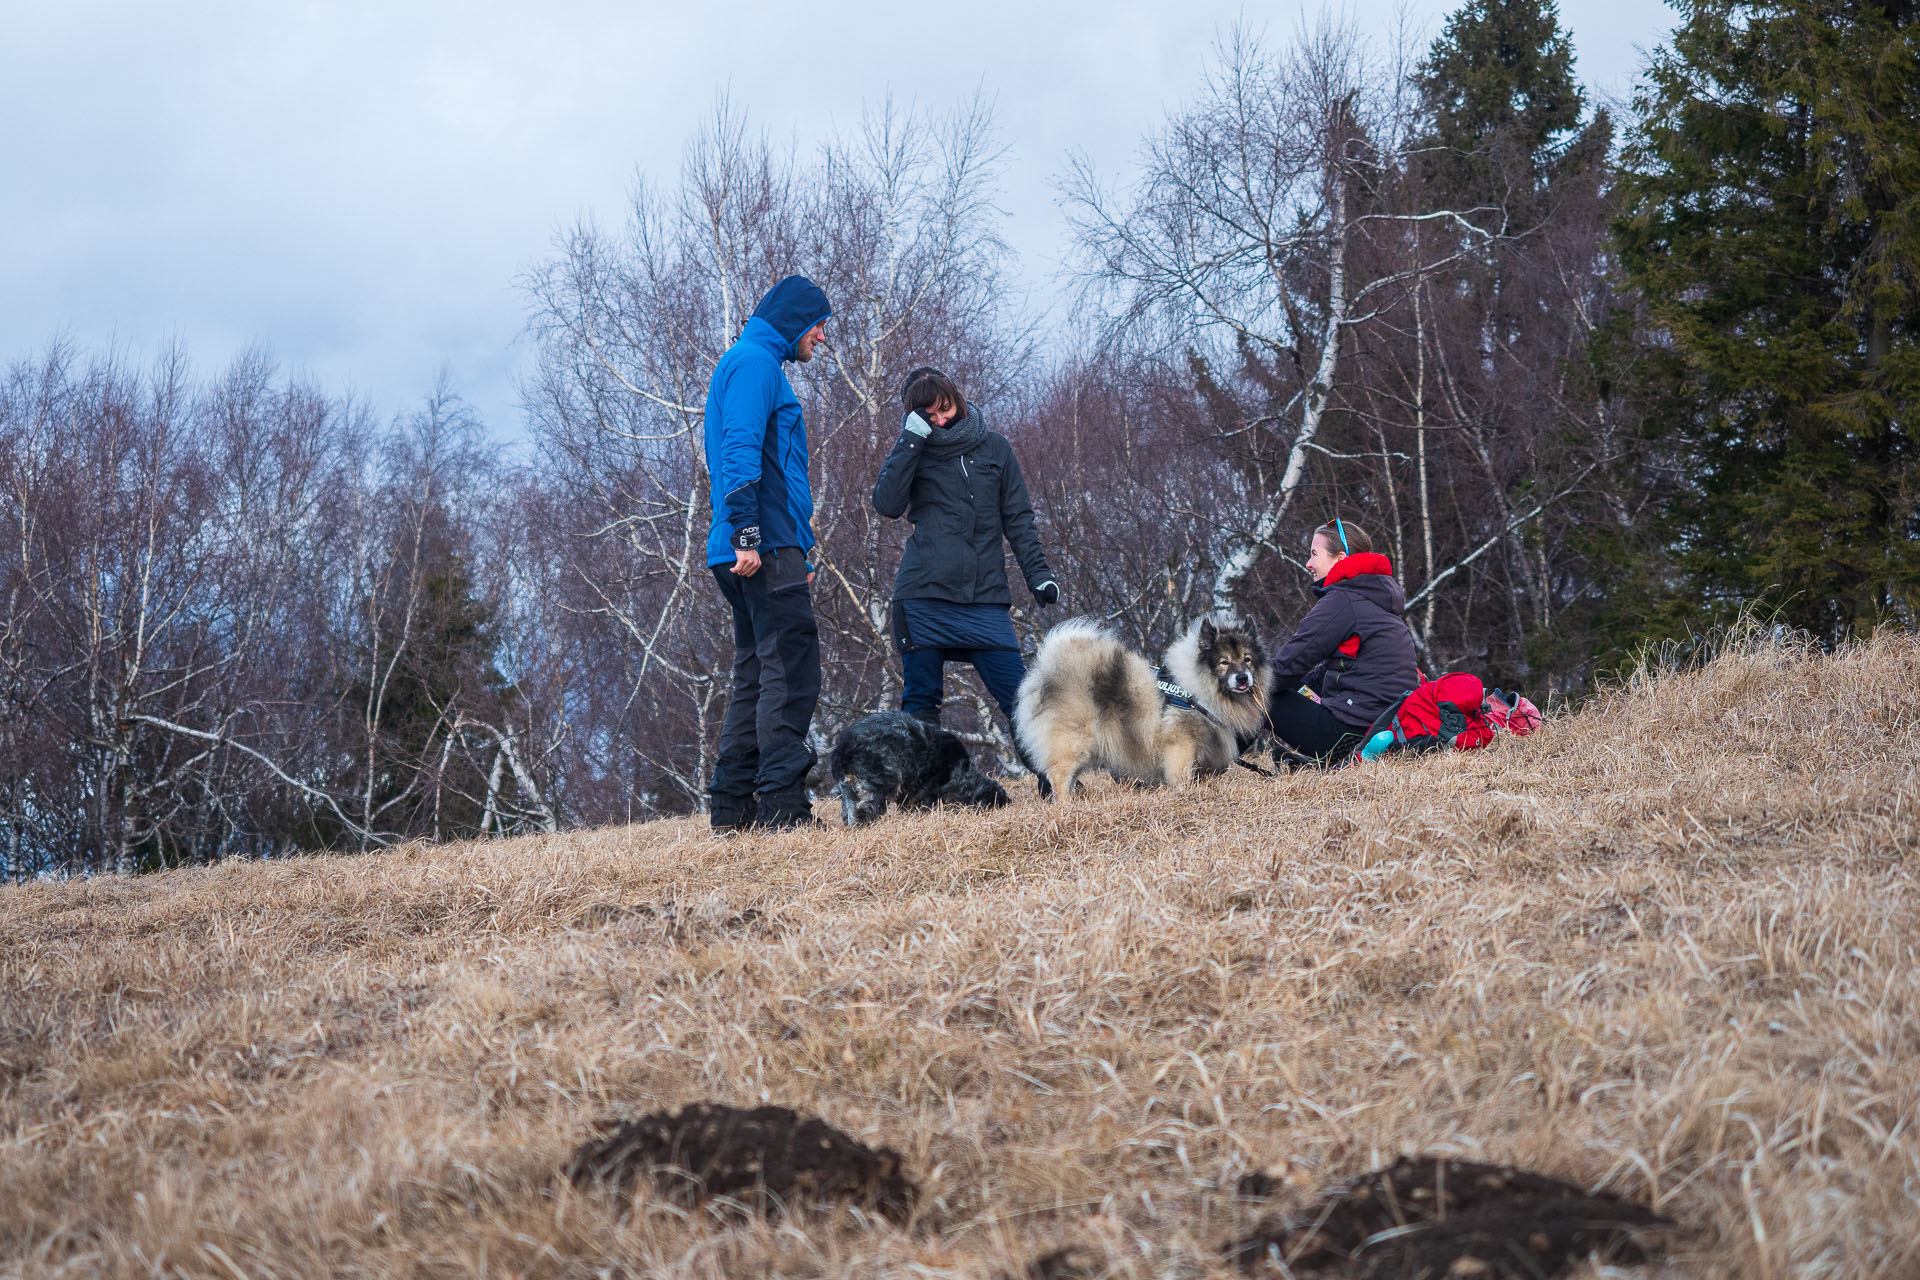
{"x":1089,"y":702}
{"x":897,"y":757}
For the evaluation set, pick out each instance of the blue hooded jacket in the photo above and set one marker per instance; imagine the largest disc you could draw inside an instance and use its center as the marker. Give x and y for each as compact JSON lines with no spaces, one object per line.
{"x":756,"y":441}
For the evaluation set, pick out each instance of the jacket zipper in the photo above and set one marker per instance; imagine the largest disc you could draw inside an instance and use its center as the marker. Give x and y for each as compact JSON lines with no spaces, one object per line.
{"x":973,"y":510}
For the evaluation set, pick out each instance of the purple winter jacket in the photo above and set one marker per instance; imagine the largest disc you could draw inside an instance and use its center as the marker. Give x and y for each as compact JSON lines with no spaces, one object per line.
{"x":1353,"y":647}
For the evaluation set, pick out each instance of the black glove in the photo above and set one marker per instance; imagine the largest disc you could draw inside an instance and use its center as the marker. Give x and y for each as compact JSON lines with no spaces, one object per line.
{"x":1047,"y":592}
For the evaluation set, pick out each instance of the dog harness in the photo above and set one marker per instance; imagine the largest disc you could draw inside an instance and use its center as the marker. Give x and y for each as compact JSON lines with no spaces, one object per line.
{"x":1175,"y":694}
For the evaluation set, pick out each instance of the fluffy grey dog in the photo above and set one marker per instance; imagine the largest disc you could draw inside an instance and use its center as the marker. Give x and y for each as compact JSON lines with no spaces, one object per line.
{"x":1089,"y":702}
{"x":893,"y":756}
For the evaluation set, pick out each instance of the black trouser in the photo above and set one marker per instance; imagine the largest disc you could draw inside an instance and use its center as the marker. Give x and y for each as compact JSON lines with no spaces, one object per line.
{"x":1310,"y":728}
{"x":776,"y":682}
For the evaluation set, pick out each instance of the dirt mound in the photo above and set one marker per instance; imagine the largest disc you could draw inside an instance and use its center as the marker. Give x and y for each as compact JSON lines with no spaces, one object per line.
{"x":1431,"y":1219}
{"x":1070,"y":1263}
{"x":767,"y":1158}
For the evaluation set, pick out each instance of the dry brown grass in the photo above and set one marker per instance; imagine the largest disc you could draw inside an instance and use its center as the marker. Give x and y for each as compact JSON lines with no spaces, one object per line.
{"x":1667,"y":948}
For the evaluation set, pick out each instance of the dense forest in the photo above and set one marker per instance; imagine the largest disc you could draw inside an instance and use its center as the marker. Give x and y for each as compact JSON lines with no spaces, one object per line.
{"x":1589,"y":380}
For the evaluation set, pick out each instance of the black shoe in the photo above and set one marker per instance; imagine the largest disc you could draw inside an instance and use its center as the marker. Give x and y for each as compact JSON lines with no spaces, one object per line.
{"x":732,"y":814}
{"x":786,"y":810}
{"x":787,"y":820}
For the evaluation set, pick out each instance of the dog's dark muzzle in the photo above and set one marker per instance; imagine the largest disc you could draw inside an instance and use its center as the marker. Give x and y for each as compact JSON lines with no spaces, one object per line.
{"x":857,"y":806}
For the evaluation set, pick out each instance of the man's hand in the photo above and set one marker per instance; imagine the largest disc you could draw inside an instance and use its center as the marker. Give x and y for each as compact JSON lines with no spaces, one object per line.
{"x":746,"y":550}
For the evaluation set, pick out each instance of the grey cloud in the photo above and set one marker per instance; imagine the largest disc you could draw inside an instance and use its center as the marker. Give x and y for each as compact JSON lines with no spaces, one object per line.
{"x":357,"y":185}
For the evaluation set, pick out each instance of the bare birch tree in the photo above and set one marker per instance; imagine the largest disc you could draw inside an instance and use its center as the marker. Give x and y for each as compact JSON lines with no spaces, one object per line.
{"x":1253,"y":237}
{"x":230,"y":625}
{"x":160,"y":559}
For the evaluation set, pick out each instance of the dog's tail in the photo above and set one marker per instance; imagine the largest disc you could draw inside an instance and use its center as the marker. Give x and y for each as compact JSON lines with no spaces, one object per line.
{"x":1082,"y":628}
{"x":1074,"y":645}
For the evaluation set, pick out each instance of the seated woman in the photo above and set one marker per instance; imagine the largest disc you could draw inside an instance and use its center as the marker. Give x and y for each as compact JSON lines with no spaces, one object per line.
{"x":1353,"y":649}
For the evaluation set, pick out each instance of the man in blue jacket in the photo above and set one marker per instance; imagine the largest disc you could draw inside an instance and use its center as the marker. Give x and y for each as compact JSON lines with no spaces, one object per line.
{"x":757,"y":548}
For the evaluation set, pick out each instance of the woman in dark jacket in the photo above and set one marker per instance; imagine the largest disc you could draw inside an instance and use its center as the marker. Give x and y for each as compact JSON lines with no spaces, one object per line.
{"x":1353,"y":649}
{"x":961,"y":486}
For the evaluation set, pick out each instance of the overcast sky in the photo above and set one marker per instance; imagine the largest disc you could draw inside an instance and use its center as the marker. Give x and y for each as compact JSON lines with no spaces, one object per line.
{"x":356,"y":185}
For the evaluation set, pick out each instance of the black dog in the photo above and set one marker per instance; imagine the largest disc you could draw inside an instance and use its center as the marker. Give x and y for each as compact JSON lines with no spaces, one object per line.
{"x":891,"y":755}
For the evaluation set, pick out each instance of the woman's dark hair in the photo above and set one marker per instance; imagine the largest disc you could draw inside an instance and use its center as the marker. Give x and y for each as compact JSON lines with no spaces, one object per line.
{"x":1345,"y":537}
{"x":926,"y":387}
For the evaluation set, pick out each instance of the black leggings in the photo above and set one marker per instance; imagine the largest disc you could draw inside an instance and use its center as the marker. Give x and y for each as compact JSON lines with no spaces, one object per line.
{"x":1311,"y":729}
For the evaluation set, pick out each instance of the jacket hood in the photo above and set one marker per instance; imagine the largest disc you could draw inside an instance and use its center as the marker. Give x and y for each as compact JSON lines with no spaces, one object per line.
{"x":958,"y":436}
{"x":1371,"y":575}
{"x":792,"y":307}
{"x":1354,"y":565}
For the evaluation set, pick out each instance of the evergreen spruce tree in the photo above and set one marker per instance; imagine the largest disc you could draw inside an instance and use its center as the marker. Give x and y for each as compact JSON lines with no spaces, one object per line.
{"x":1506,"y":139}
{"x":438,"y":660}
{"x":1771,"y":222}
{"x":1497,"y":93}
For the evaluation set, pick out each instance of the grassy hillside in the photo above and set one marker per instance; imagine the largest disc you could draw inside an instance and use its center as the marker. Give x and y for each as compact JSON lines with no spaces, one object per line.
{"x":1670,"y":947}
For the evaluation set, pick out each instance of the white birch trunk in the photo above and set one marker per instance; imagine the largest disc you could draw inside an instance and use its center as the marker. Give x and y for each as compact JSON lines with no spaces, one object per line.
{"x":1234,"y":569}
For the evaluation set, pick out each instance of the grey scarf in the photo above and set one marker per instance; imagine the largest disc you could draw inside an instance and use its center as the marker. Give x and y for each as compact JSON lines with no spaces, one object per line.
{"x":958,"y":436}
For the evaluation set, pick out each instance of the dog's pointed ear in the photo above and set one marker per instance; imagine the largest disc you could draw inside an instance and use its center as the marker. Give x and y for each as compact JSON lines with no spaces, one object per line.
{"x":1207,"y":634}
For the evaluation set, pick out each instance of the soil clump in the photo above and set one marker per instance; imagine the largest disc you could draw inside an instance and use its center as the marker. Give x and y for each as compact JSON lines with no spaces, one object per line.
{"x":766,"y":1159}
{"x":1438,"y":1219}
{"x":1070,"y":1263}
